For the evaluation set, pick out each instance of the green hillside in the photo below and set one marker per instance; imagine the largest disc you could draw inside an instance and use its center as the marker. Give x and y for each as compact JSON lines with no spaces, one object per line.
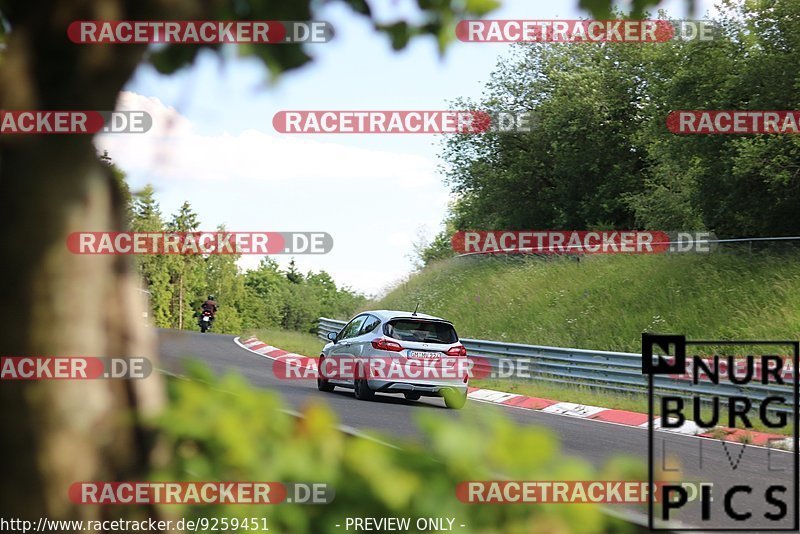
{"x":605,"y":302}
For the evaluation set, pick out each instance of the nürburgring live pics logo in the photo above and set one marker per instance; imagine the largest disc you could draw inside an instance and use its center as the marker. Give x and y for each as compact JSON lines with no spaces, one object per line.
{"x":760,"y":492}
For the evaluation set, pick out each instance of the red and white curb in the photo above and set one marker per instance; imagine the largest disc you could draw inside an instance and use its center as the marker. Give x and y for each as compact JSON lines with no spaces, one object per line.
{"x":627,"y":418}
{"x":569,"y":409}
{"x":274,"y":353}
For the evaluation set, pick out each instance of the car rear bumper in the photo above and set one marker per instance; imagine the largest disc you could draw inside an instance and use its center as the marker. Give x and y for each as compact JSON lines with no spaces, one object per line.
{"x":424,"y":388}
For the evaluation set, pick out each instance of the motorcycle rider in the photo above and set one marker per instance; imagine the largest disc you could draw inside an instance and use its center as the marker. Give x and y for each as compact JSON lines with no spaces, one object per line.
{"x":210,"y":306}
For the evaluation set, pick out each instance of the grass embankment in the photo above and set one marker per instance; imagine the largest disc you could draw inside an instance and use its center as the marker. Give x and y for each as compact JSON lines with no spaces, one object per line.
{"x":292,"y":341}
{"x":606,"y":302}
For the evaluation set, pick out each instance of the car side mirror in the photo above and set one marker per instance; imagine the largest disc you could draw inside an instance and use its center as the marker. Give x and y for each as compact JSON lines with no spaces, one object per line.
{"x":332,"y":336}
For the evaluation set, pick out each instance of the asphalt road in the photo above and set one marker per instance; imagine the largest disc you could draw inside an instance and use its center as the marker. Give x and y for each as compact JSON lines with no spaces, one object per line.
{"x":392,"y":417}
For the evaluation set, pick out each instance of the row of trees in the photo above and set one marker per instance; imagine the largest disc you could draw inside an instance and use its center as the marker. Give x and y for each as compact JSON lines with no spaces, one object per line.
{"x":600,"y":155}
{"x":264,"y":297}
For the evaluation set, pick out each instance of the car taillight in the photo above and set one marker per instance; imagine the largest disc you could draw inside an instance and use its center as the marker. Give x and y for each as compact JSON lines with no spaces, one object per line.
{"x":385,"y":344}
{"x":458,"y":350}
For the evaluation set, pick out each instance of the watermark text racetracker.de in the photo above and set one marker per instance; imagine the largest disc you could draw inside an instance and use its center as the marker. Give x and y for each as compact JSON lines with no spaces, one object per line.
{"x":584,"y":31}
{"x":37,"y":122}
{"x":580,"y":242}
{"x":201,"y":492}
{"x":348,"y":367}
{"x":381,"y":121}
{"x":194,"y":243}
{"x":556,"y":491}
{"x":72,"y":368}
{"x":733,"y":122}
{"x":410,"y":365}
{"x":405,"y":121}
{"x":198,"y":32}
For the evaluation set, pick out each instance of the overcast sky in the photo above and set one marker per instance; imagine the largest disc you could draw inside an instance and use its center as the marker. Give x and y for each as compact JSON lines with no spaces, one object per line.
{"x":213,"y":143}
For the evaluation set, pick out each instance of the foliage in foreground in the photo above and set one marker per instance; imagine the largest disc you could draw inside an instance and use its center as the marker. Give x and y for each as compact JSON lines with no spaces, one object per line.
{"x":226,"y":430}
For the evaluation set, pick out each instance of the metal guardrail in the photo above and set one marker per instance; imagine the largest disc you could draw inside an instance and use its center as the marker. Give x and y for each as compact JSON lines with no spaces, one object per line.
{"x":326,"y":325}
{"x":596,"y":369}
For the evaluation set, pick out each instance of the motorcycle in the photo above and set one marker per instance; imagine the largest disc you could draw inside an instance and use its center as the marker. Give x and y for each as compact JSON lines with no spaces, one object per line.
{"x":206,"y":319}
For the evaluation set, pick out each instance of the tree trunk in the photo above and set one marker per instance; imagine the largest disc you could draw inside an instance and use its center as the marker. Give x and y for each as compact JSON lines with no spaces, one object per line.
{"x":57,"y":432}
{"x":180,"y":304}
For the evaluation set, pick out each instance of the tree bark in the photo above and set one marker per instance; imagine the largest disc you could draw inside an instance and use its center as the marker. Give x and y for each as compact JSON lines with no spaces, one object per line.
{"x":180,"y":304}
{"x":57,"y":432}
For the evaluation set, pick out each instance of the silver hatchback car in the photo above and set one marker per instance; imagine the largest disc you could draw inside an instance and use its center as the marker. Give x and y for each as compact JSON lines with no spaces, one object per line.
{"x":387,"y":351}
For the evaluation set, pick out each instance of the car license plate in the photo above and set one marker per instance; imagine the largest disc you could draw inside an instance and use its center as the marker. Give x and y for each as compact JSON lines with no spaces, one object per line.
{"x":423,"y":355}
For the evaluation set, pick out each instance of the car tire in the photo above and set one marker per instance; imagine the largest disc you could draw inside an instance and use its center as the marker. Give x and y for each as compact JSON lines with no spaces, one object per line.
{"x":322,"y":383}
{"x":412,"y":396}
{"x":362,"y":391}
{"x":453,"y":399}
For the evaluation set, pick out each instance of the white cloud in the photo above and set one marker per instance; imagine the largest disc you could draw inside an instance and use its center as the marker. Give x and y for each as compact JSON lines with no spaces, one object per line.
{"x":400,"y":239}
{"x":175,"y":150}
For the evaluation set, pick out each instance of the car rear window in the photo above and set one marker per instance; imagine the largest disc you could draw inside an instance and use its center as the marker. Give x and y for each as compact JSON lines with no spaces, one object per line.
{"x":421,"y":330}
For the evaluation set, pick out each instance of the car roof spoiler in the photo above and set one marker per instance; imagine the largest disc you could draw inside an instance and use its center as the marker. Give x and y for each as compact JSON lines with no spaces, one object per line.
{"x":429,"y":319}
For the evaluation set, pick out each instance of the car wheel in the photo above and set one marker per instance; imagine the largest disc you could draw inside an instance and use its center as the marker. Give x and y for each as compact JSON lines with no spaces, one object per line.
{"x":362,"y":391}
{"x":412,"y":396}
{"x":453,"y":399}
{"x":322,"y":383}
